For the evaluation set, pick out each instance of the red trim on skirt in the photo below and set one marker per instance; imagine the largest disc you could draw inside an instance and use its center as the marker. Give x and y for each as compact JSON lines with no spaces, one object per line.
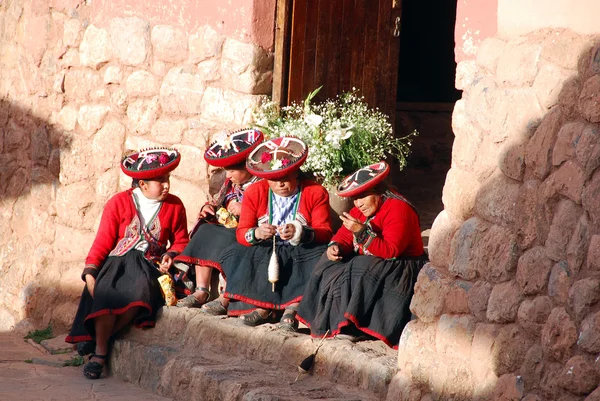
{"x":78,"y":339}
{"x":259,"y":304}
{"x":198,"y":262}
{"x":119,"y":311}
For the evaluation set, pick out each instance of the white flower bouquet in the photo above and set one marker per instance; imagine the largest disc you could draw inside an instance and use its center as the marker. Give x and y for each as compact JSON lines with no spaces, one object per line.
{"x":342,"y":134}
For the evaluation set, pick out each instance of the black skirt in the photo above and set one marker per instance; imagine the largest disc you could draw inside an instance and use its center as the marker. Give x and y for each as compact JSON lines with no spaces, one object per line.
{"x":372,"y":293}
{"x":246,"y":271}
{"x":206,"y":245}
{"x":124,"y":282}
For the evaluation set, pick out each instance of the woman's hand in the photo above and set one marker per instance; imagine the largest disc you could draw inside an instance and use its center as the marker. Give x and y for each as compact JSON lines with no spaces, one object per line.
{"x":265,"y":231}
{"x":351,"y":223}
{"x":206,"y":211}
{"x":165,"y":263}
{"x":90,"y":282}
{"x":234,"y":208}
{"x":333,"y":253}
{"x":287,"y":231}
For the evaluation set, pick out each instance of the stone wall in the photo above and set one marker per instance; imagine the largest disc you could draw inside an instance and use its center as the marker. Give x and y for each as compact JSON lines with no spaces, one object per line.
{"x":74,"y":96}
{"x":508,"y":306}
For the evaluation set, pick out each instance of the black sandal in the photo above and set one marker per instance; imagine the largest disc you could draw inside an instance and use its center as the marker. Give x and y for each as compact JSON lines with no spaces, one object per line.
{"x":86,"y":347}
{"x":290,"y":325}
{"x":255,"y":319}
{"x":191,"y":302}
{"x":214,"y":308}
{"x":93,"y":370}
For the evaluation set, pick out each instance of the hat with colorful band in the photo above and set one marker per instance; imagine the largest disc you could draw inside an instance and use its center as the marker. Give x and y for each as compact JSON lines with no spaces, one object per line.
{"x":363,"y":179}
{"x":150,"y":163}
{"x":277,"y":158}
{"x":233,"y":148}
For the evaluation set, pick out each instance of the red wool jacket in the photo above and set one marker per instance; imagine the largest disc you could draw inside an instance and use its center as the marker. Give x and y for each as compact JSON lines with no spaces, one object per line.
{"x":313,"y":210}
{"x":119,"y":229}
{"x":393,"y":232}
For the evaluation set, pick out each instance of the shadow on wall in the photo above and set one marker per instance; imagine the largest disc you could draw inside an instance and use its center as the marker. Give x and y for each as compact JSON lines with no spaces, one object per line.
{"x":508,"y":306}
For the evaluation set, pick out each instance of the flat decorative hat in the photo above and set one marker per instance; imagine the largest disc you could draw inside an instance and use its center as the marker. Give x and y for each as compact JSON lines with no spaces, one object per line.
{"x":277,"y":158}
{"x":150,"y":163}
{"x":234,"y":148}
{"x":363,"y":179}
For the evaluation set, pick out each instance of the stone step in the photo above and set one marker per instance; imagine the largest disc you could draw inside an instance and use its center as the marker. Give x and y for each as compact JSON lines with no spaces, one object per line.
{"x":192,"y":356}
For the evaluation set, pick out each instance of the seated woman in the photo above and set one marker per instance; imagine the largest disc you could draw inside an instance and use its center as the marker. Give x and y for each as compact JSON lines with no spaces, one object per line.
{"x":366,"y":277}
{"x":128,"y":255}
{"x":222,"y":213}
{"x":284,"y":216}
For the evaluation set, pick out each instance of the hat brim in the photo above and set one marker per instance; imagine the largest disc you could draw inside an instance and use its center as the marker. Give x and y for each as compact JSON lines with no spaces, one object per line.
{"x":235,"y":158}
{"x":153,"y":173}
{"x":281,"y":172}
{"x":348,"y":188}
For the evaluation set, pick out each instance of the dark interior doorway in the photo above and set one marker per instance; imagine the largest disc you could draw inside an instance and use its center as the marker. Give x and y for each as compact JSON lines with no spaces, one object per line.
{"x":425,"y":100}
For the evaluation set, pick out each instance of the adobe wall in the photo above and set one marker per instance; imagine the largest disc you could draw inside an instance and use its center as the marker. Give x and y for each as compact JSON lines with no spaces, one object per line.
{"x":508,"y":306}
{"x":83,"y":81}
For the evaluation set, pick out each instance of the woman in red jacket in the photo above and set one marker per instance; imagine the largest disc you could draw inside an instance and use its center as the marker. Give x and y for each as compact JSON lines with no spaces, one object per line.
{"x":366,"y":277}
{"x":128,"y":255}
{"x":285,"y":222}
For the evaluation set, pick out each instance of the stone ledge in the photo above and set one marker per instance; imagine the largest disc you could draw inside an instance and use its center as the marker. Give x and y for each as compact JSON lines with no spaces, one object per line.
{"x":193,"y":349}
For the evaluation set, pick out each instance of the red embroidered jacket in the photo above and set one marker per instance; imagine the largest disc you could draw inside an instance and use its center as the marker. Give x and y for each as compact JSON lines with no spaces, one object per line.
{"x":393,"y":232}
{"x":119,"y":230}
{"x":312,"y":213}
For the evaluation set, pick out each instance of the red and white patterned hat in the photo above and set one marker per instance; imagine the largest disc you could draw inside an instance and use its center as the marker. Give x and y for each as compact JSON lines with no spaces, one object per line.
{"x":150,"y":163}
{"x":234,"y":148}
{"x":277,"y":158}
{"x":363,"y":179}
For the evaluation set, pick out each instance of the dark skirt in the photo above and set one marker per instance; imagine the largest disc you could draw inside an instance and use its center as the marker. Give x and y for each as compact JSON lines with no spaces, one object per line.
{"x":206,"y":245}
{"x":124,"y":282}
{"x":246,"y":271}
{"x":372,"y":293}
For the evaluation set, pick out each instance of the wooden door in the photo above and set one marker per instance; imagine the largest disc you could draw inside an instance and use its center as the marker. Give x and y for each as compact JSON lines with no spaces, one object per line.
{"x":339,"y":44}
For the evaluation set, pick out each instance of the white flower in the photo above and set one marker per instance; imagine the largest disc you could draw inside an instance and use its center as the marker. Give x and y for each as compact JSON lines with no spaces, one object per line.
{"x":223,"y":140}
{"x":277,"y":164}
{"x":336,"y":136}
{"x":314,"y":120}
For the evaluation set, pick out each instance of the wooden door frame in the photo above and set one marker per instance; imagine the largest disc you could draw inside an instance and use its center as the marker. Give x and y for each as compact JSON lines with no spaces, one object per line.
{"x":281,"y":67}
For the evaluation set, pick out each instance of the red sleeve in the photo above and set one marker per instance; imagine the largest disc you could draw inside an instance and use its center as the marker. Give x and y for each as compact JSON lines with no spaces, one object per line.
{"x":396,"y":227}
{"x":320,"y":219}
{"x":249,"y":216}
{"x":179,"y":234}
{"x":107,"y":235}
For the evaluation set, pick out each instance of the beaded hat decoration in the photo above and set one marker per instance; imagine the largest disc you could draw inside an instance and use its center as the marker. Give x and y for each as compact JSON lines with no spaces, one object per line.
{"x":233,"y":148}
{"x":363,"y":179}
{"x":277,"y":157}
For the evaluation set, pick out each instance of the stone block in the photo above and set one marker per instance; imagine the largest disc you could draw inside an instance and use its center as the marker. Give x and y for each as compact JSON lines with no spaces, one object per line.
{"x":510,"y":387}
{"x":533,"y":270}
{"x":518,"y":65}
{"x":568,"y":181}
{"x":430,"y":293}
{"x":559,"y":335}
{"x":504,"y":302}
{"x":583,"y":295}
{"x":72,"y":244}
{"x":560,"y":282}
{"x":549,"y":385}
{"x":587,"y":150}
{"x":95,"y":50}
{"x":512,"y":160}
{"x":442,"y":231}
{"x":496,"y":200}
{"x":589,"y":335}
{"x":565,"y":48}
{"x":538,"y":152}
{"x":228,"y":107}
{"x":70,"y":283}
{"x":594,"y":395}
{"x":70,"y":59}
{"x":113,"y":75}
{"x":480,"y":102}
{"x":566,"y":141}
{"x":533,"y":313}
{"x":579,"y":376}
{"x":496,"y":254}
{"x":416,"y":342}
{"x":454,"y":336}
{"x":467,"y":74}
{"x":209,"y":70}
{"x":516,"y":116}
{"x":593,"y":256}
{"x":457,"y":298}
{"x":591,"y":198}
{"x":33,"y":33}
{"x":118,"y":101}
{"x":107,"y":185}
{"x":533,"y":367}
{"x":72,"y":32}
{"x":182,"y":92}
{"x":464,"y":246}
{"x":141,"y":114}
{"x":589,"y":100}
{"x":204,"y":43}
{"x":525,"y":220}
{"x":578,"y":245}
{"x":169,"y":44}
{"x":75,"y":203}
{"x":130,"y":40}
{"x":76,"y":160}
{"x":107,"y":146}
{"x":465,"y":149}
{"x":549,"y":83}
{"x":141,"y":83}
{"x":483,"y":350}
{"x":91,"y":117}
{"x":57,"y":345}
{"x":191,"y":194}
{"x":251,"y":81}
{"x":563,"y":226}
{"x":79,"y":83}
{"x":168,"y":131}
{"x":489,"y":53}
{"x":195,"y":167}
{"x":67,"y":117}
{"x":479,"y":296}
{"x":459,"y":194}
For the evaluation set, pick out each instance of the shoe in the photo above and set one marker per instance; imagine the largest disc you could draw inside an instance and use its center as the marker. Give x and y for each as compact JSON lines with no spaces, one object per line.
{"x":191,"y":301}
{"x":254,"y":318}
{"x":93,"y":370}
{"x":86,"y":347}
{"x":214,"y":308}
{"x":288,"y":322}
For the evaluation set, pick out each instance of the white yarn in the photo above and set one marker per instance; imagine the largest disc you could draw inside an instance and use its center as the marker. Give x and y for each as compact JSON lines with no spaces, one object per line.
{"x":273,"y":270}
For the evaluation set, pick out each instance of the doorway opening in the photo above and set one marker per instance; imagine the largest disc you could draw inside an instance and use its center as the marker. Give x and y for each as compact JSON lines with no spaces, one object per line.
{"x":425,"y":100}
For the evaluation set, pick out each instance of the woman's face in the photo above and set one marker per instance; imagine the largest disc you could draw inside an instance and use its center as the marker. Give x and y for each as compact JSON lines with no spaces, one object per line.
{"x":238,"y":175}
{"x":156,"y":188}
{"x":368,"y":203}
{"x":285,"y":186}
